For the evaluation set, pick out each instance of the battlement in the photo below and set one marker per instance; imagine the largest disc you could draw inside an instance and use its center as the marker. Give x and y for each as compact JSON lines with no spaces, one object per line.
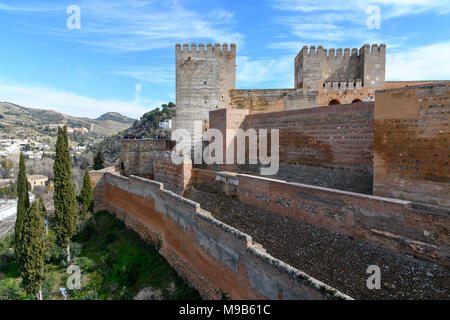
{"x":343,"y":85}
{"x":340,"y":52}
{"x":201,"y":50}
{"x":336,"y":69}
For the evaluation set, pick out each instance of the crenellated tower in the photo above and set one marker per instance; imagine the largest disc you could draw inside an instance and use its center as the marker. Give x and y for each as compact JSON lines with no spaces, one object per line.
{"x":340,"y":69}
{"x":204,"y":77}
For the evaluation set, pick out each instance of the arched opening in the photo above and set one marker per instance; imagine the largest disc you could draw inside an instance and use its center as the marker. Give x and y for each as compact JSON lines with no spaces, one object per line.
{"x":356,"y":101}
{"x":334,"y":102}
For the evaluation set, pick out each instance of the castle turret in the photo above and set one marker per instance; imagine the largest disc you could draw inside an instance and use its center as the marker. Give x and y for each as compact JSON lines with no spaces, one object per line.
{"x":373,"y":62}
{"x":315,"y":68}
{"x":204,"y":77}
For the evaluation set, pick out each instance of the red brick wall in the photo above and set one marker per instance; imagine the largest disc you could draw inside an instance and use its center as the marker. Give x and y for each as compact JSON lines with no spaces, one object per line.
{"x":397,"y":225}
{"x":338,"y":137}
{"x":412,"y":143}
{"x":212,"y":256}
{"x":174,"y":177}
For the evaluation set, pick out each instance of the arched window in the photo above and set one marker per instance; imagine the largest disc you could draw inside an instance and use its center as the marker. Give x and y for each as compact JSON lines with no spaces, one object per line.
{"x":356,"y":101}
{"x":334,"y":102}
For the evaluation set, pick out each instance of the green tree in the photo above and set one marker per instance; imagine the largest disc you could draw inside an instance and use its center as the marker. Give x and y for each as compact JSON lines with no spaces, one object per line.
{"x":86,"y":198}
{"x":99,"y":164}
{"x":65,"y":201}
{"x":35,"y":251}
{"x":43,"y":210}
{"x":23,"y":204}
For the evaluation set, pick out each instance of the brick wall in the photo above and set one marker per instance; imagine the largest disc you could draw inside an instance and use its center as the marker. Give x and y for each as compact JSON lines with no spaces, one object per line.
{"x":329,"y":146}
{"x":397,"y":225}
{"x":174,"y":177}
{"x":211,"y":255}
{"x":136,"y":156}
{"x":270,"y":100}
{"x":412,"y":143}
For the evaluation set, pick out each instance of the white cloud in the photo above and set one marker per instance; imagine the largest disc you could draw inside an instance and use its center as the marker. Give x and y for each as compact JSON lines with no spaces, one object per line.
{"x":391,"y":8}
{"x":31,"y":7}
{"x":278,"y":72}
{"x":68,"y":102}
{"x":138,"y":25}
{"x":421,"y":63}
{"x":150,"y":74}
{"x":333,"y":22}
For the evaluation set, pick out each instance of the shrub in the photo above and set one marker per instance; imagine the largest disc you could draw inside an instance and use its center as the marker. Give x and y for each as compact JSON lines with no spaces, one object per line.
{"x":75,"y":249}
{"x":86,"y":264}
{"x":57,"y":254}
{"x":47,"y":286}
{"x":10,"y":290}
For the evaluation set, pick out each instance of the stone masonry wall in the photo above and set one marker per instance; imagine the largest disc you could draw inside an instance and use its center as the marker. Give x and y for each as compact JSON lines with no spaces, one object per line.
{"x":204,"y":77}
{"x":174,"y":177}
{"x":270,"y":100}
{"x":136,"y":156}
{"x":212,"y":256}
{"x":315,"y":68}
{"x":397,"y":225}
{"x":412,"y":143}
{"x":329,"y":146}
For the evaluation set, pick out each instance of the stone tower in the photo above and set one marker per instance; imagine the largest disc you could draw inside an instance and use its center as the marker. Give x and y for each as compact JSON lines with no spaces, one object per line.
{"x":340,"y":69}
{"x":204,"y":77}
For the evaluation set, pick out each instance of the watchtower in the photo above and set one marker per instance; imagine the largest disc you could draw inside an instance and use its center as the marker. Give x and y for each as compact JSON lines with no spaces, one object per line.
{"x":204,"y":77}
{"x":340,"y":68}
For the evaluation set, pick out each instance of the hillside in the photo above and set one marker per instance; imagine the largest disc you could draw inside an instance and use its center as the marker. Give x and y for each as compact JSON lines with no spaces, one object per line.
{"x":147,"y":126}
{"x":117,"y":117}
{"x":21,"y":122}
{"x":116,"y":264}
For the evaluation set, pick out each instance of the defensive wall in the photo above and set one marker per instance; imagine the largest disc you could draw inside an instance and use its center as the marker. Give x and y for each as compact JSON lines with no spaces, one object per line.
{"x":405,"y":131}
{"x":136,"y":155}
{"x":397,"y":225}
{"x":412,"y":138}
{"x":212,"y":256}
{"x":329,"y":146}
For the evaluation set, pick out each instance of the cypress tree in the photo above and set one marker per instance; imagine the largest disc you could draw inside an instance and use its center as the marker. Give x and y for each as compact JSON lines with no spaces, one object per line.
{"x":86,"y":196}
{"x":23,"y":204}
{"x":99,"y":164}
{"x":43,"y":210}
{"x":64,"y":196}
{"x":34,"y":251}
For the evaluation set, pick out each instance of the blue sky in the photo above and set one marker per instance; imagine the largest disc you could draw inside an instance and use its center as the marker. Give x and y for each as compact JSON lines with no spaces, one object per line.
{"x":122,"y":58}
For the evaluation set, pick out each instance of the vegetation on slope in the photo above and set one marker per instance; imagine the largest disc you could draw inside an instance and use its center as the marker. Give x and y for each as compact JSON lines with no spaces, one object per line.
{"x":147,"y":126}
{"x":19,"y":122}
{"x":117,"y":117}
{"x":115,"y":264}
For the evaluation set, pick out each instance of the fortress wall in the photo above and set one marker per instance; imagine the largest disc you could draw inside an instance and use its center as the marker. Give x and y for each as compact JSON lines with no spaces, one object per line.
{"x":337,"y":137}
{"x":344,"y":95}
{"x":174,"y":177}
{"x":329,"y":146}
{"x":270,"y":100}
{"x":397,"y":225}
{"x":211,"y":256}
{"x":412,"y":143}
{"x":136,"y":156}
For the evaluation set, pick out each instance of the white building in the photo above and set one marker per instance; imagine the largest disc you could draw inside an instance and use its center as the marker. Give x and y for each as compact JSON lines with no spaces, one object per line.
{"x":167,"y":124}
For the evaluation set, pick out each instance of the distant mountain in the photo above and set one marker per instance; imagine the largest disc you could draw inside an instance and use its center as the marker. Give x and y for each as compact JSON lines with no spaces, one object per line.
{"x":114,"y":116}
{"x":22,"y":122}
